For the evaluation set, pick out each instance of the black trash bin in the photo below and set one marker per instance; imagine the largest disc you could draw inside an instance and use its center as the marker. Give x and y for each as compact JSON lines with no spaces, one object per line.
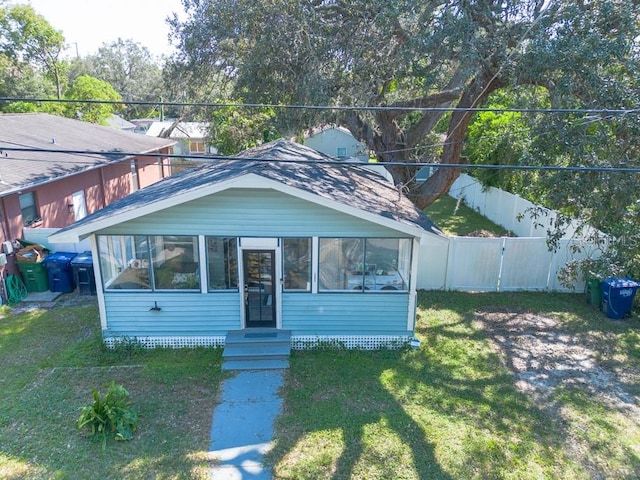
{"x":59,"y":272}
{"x":617,"y":296}
{"x":83,"y":274}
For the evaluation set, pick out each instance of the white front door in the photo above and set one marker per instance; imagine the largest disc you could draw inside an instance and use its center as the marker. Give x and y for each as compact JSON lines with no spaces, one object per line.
{"x":79,"y":205}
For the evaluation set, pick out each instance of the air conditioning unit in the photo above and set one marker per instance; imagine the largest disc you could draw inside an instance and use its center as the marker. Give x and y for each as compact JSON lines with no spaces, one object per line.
{"x":7,"y":247}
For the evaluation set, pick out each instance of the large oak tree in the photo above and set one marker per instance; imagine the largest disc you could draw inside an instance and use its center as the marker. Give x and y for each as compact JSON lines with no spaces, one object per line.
{"x":416,"y":58}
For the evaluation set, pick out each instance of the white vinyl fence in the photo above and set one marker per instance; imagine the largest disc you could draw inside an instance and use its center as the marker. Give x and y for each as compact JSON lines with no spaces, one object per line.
{"x":493,"y":264}
{"x":497,"y":264}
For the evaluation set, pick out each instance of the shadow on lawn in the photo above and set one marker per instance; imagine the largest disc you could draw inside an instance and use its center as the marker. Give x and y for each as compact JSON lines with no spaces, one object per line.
{"x":366,"y":427}
{"x":448,"y":410}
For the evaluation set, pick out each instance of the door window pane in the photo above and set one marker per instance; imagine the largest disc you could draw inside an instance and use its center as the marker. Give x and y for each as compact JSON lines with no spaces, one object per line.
{"x":175,"y":262}
{"x":222,"y":259}
{"x":297,"y":264}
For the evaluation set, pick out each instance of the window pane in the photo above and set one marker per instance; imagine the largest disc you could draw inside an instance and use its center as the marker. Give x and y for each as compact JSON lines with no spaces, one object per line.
{"x":341,"y":264}
{"x":175,"y":262}
{"x":124,"y":262}
{"x":222,"y":258}
{"x":297,"y":264}
{"x":28,"y":208}
{"x":388,"y":264}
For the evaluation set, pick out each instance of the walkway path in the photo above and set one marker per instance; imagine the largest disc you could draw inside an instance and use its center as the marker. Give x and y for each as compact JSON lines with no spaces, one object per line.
{"x":242,"y":427}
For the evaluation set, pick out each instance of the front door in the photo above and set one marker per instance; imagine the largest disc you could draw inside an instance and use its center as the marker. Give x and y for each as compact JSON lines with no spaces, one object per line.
{"x":259,"y":291}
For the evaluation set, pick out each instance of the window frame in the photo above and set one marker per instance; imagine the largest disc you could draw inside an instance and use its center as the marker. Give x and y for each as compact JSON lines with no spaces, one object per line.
{"x":309,"y":267}
{"x":34,"y":206}
{"x":370,"y":270}
{"x":130,"y":255}
{"x":236,"y":245}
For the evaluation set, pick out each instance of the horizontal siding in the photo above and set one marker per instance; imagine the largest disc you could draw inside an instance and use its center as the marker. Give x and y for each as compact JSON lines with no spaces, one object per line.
{"x":258,"y":213}
{"x":346,"y":314}
{"x":182,"y":313}
{"x":216,"y":313}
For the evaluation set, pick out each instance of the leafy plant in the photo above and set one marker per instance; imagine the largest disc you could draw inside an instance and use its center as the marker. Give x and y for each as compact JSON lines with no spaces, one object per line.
{"x":110,"y":415}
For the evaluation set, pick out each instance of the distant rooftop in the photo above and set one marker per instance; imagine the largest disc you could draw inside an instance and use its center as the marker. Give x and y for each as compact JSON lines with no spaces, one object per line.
{"x":43,"y":131}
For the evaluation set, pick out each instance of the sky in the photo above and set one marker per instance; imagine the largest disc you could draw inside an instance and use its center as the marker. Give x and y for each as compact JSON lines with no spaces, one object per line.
{"x":87,"y":24}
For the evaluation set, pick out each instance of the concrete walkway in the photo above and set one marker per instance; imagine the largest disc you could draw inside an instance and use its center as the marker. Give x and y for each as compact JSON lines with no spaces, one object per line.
{"x":242,"y":427}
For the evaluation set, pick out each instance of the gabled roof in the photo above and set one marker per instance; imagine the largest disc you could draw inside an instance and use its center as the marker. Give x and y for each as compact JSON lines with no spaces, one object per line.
{"x":281,"y":165}
{"x":19,"y":170}
{"x":182,"y":129}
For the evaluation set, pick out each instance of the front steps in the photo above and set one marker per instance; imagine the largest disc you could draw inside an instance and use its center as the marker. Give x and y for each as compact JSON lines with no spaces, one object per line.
{"x":256,"y":349}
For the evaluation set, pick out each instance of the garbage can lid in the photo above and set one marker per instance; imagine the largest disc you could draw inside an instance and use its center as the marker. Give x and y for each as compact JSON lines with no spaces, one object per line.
{"x":59,"y":258}
{"x":620,"y":282}
{"x":84,"y":258}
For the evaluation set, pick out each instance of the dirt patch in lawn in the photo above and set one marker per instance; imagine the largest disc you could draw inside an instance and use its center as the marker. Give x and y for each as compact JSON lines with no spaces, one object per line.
{"x":543,"y":356}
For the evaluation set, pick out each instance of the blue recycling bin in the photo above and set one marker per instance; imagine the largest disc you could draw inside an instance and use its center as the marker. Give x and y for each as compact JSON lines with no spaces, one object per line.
{"x":617,"y":296}
{"x":59,"y":271}
{"x":83,"y":273}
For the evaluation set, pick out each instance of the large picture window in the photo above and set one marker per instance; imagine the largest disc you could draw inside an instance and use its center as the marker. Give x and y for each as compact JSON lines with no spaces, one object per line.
{"x":297,"y":264}
{"x":175,"y":262}
{"x":367,"y":265}
{"x":155,"y":262}
{"x":222,"y":259}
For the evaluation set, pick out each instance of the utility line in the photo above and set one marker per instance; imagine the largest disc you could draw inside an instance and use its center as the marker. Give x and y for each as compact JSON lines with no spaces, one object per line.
{"x":581,"y":111}
{"x":335,"y":163}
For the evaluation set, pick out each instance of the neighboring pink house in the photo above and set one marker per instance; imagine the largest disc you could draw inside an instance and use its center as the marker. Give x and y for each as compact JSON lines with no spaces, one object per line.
{"x":52,"y":189}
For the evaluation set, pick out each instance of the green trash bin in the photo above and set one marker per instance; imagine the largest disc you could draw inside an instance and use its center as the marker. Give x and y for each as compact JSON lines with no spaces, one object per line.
{"x":594,"y":292}
{"x":34,"y":275}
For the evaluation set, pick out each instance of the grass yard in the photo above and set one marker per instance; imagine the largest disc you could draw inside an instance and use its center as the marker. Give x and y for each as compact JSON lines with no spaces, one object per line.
{"x":51,"y":361}
{"x":455,"y":218}
{"x":459,"y":408}
{"x":471,"y":403}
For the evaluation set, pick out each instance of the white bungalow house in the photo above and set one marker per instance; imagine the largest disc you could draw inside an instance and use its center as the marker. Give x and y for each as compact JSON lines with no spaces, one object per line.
{"x":336,"y":142}
{"x":279,"y":237}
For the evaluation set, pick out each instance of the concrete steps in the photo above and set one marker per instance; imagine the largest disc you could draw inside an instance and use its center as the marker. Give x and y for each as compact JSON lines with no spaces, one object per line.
{"x":256,"y":349}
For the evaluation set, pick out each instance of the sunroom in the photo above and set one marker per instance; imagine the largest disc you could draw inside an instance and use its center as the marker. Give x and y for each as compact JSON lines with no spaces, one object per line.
{"x":324,"y":250}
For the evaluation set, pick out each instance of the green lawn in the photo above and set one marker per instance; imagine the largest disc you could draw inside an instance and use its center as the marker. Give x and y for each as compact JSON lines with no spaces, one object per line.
{"x":450,"y":410}
{"x":455,"y":218}
{"x":51,"y":361}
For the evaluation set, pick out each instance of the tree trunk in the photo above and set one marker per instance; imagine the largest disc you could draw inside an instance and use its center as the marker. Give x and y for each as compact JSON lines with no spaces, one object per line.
{"x":439,"y":183}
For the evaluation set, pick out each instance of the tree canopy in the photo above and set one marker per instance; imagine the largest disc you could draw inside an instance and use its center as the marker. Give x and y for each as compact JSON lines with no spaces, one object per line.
{"x":415,"y":59}
{"x":29,"y":41}
{"x":132,"y":71}
{"x":86,"y":87}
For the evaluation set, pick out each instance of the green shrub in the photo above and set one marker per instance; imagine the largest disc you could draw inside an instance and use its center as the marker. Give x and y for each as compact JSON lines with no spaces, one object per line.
{"x":110,"y":415}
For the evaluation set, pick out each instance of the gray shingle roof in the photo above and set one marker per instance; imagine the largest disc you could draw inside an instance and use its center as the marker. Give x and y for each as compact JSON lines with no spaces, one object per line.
{"x":38,"y":130}
{"x":292,"y":165}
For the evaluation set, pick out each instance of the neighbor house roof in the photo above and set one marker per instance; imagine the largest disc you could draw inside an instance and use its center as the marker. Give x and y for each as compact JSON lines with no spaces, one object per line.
{"x":180,"y":130}
{"x":19,"y":170}
{"x":281,"y":165}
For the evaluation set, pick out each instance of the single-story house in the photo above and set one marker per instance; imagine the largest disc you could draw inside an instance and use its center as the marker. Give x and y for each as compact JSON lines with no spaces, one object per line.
{"x":280,"y":236}
{"x":52,"y":182}
{"x":190,"y":137}
{"x":337,"y":142}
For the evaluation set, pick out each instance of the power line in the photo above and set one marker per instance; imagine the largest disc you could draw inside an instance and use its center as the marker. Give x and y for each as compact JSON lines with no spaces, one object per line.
{"x":335,"y":163}
{"x":581,"y":111}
